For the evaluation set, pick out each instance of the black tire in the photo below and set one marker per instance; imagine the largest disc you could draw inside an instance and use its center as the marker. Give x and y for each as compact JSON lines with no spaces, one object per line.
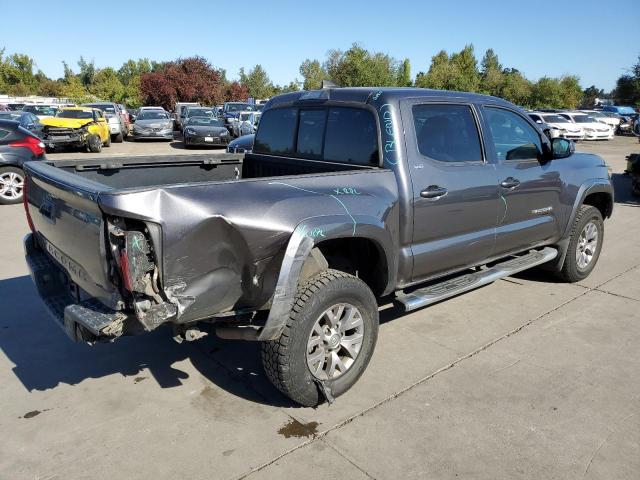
{"x":285,"y":359}
{"x":14,"y":195}
{"x":94,"y":144}
{"x":571,"y":271}
{"x":118,"y":138}
{"x":108,"y":141}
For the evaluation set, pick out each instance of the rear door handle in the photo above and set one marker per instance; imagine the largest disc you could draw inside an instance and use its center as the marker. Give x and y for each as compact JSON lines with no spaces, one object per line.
{"x":433,"y":192}
{"x":510,"y":182}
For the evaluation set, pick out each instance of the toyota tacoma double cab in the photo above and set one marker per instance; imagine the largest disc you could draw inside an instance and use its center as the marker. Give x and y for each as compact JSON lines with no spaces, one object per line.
{"x":351,"y":197}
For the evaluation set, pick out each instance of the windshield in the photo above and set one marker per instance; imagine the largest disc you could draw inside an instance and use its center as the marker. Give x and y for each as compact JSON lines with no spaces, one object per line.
{"x":597,"y":114}
{"x":236,"y":107}
{"x":554,"y":119}
{"x":9,"y":116}
{"x":199,"y":112}
{"x":583,"y":119}
{"x":81,"y":114}
{"x":40,"y":110}
{"x":104,"y":108}
{"x":205,"y":121}
{"x":153,"y":115}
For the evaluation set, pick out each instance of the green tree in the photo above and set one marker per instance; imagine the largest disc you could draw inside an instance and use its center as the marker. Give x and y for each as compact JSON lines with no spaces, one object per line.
{"x":313,"y":74}
{"x":516,"y":88}
{"x":107,"y":86}
{"x":75,"y":91}
{"x":627,"y":91}
{"x":358,"y":67}
{"x":492,"y":79}
{"x":571,"y":91}
{"x":257,"y":82}
{"x":465,"y":73}
{"x":547,"y":93}
{"x":589,"y":96}
{"x":404,"y":74}
{"x":87,"y":72}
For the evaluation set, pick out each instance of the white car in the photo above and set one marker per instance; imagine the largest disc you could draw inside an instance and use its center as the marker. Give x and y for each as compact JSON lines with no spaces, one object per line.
{"x":41,"y":110}
{"x":593,"y":130}
{"x":566,"y":128}
{"x":613,"y":122}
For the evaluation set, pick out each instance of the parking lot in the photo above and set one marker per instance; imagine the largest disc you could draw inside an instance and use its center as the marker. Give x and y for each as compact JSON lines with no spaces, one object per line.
{"x":524,"y":378}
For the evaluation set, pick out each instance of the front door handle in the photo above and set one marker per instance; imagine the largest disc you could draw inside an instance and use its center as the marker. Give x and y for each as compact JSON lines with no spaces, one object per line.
{"x":510,"y":182}
{"x":433,"y":192}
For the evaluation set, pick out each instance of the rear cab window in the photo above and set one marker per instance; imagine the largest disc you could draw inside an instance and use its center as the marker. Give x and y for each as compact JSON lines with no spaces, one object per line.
{"x":333,"y":134}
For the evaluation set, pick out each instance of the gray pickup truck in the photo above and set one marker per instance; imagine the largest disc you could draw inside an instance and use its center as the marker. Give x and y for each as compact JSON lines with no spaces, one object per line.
{"x":351,"y":197}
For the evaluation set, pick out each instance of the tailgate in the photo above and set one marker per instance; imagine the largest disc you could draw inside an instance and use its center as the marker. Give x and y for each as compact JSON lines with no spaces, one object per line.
{"x":69,"y":226}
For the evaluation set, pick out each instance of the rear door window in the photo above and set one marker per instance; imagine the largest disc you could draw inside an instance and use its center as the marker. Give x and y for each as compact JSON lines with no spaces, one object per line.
{"x":447,"y":133}
{"x":311,"y":133}
{"x":351,"y":136}
{"x":277,"y":132}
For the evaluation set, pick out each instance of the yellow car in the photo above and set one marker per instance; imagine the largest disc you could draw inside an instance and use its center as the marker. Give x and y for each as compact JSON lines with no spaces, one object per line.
{"x":76,"y":127}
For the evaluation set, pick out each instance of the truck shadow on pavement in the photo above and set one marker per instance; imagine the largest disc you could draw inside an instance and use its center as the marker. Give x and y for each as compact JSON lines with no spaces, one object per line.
{"x":622,"y":188}
{"x":44,"y":357}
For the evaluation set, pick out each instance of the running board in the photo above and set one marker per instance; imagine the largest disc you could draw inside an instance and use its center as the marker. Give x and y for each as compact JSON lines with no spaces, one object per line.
{"x":455,"y":286}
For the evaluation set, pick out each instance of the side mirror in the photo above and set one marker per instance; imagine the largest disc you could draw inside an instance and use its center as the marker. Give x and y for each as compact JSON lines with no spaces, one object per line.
{"x":562,"y":148}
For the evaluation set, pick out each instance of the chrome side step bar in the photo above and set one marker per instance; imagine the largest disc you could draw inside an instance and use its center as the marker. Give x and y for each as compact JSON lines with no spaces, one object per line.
{"x":470,"y":281}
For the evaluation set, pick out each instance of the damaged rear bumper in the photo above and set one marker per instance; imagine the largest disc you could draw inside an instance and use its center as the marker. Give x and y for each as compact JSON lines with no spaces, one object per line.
{"x":81,"y":319}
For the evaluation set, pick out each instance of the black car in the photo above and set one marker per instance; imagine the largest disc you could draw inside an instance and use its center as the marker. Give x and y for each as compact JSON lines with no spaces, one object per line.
{"x":17,"y":145}
{"x":205,"y":131}
{"x":26,"y":120}
{"x":243,"y":144}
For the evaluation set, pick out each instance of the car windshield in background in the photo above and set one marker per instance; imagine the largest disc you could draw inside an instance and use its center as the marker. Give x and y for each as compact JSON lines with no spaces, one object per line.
{"x":9,"y":116}
{"x":237,"y":107}
{"x":81,"y":114}
{"x":205,"y":122}
{"x":40,"y":110}
{"x":583,"y":119}
{"x":199,"y":112}
{"x":104,"y":108}
{"x":554,"y":119}
{"x":153,"y":115}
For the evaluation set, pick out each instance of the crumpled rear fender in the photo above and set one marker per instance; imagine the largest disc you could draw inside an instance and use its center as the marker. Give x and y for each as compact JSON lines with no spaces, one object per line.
{"x":309,"y":233}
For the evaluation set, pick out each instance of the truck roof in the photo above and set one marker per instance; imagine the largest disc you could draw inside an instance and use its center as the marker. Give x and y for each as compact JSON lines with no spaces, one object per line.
{"x":365,"y":95}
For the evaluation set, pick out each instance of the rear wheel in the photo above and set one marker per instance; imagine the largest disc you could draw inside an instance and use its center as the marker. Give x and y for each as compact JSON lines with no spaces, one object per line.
{"x":327,"y":341}
{"x":11,"y":185}
{"x":585,"y":245}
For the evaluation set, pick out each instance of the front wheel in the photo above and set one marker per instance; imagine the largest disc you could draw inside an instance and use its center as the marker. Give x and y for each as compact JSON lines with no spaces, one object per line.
{"x":118,"y":138}
{"x":11,"y":185}
{"x":94,"y":144}
{"x":585,"y":245}
{"x":327,"y":341}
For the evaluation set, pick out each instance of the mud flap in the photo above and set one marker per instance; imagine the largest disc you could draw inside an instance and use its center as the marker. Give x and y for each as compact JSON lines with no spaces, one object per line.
{"x":325,"y":390}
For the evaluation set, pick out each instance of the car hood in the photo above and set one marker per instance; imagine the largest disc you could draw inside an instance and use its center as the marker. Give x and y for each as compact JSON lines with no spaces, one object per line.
{"x":569,"y":127}
{"x":246,"y":141}
{"x":152,"y":123}
{"x":601,"y":127}
{"x":66,"y":122}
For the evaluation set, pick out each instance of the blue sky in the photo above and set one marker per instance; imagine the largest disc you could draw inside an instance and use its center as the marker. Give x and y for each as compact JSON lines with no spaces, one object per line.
{"x":597,"y":40}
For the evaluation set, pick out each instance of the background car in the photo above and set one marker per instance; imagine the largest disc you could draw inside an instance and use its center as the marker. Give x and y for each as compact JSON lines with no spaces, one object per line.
{"x":205,"y":131}
{"x":17,"y":145}
{"x":593,"y":130}
{"x":79,"y":127}
{"x":115,"y":118}
{"x":602,"y":117}
{"x":242,"y":144}
{"x":190,"y":112}
{"x":565,"y":128}
{"x":25,"y":119}
{"x":153,"y":124}
{"x":248,"y":125}
{"x":231,"y":110}
{"x":178,"y":114}
{"x":41,"y":111}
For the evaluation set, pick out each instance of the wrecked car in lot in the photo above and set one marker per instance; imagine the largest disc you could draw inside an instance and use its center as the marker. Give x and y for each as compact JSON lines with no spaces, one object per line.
{"x":76,"y":127}
{"x":349,"y":196}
